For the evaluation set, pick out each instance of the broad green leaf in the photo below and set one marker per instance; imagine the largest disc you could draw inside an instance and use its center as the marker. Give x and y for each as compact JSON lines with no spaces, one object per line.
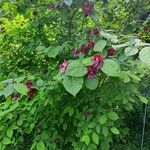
{"x":8,"y":90}
{"x":87,"y":61}
{"x":85,"y":139}
{"x":113,"y":116}
{"x":99,"y":46}
{"x":6,"y":140}
{"x":111,"y":37}
{"x":73,"y":85}
{"x":91,"y":83}
{"x":53,"y":51}
{"x":111,"y":68}
{"x":95,"y":138}
{"x":143,"y":99}
{"x":76,"y":69}
{"x":69,"y":110}
{"x":104,"y":145}
{"x":21,"y":88}
{"x":103,"y":119}
{"x":68,"y":2}
{"x":105,"y":131}
{"x":9,"y":132}
{"x":144,"y":55}
{"x":114,"y":130}
{"x":19,"y":79}
{"x":92,"y":125}
{"x":40,"y":48}
{"x":130,"y":51}
{"x":98,"y":128}
{"x":124,"y":76}
{"x":40,"y":146}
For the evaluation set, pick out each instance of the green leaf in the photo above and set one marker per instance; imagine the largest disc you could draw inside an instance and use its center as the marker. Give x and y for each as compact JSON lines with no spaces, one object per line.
{"x":98,"y":128}
{"x":6,"y":140}
{"x":8,"y":90}
{"x":21,"y":88}
{"x":87,"y":61}
{"x":114,"y":130}
{"x":95,"y":138}
{"x":40,"y":146}
{"x":85,"y":139}
{"x":73,"y":85}
{"x":9,"y":132}
{"x":104,"y":145}
{"x":111,"y":68}
{"x":143,"y":99}
{"x":53,"y":51}
{"x":68,"y":2}
{"x":144,"y":55}
{"x":113,"y":116}
{"x":99,"y":46}
{"x":130,"y":51}
{"x":76,"y":69}
{"x":91,"y":83}
{"x":103,"y":119}
{"x":69,"y":110}
{"x":105,"y":131}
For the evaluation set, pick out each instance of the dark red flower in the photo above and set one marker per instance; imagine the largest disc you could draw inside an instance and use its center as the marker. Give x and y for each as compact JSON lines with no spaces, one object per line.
{"x":96,"y":31}
{"x":31,"y":89}
{"x":87,"y":8}
{"x":91,"y":71}
{"x":63,"y":66}
{"x":84,"y":49}
{"x":96,"y":65}
{"x":29,"y":84}
{"x":75,"y":52}
{"x":90,"y":44}
{"x":97,"y":61}
{"x":111,"y":51}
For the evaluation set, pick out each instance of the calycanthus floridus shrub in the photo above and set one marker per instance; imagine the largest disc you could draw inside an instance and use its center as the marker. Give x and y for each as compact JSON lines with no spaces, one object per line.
{"x":82,"y":100}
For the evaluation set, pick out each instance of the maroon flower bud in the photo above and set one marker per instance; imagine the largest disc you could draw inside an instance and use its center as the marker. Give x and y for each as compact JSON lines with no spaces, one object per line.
{"x":96,"y":31}
{"x":15,"y":96}
{"x":84,"y":49}
{"x":29,"y":84}
{"x":31,"y":89}
{"x":63,"y":66}
{"x":90,"y":44}
{"x":75,"y":52}
{"x":87,"y":8}
{"x":111,"y":51}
